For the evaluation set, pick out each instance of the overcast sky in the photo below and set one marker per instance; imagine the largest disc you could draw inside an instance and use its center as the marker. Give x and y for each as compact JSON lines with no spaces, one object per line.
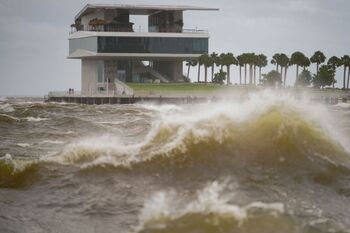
{"x":34,"y":45}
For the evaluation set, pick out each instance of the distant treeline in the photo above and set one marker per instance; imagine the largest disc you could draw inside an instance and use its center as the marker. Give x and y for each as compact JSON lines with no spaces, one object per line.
{"x":248,"y":63}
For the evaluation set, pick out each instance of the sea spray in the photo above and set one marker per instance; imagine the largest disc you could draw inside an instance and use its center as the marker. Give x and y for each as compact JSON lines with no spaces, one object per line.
{"x":210,"y":210}
{"x":16,"y":173}
{"x":273,"y":124}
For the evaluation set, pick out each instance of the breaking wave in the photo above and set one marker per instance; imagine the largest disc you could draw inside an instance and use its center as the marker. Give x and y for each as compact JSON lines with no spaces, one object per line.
{"x":211,"y":211}
{"x":16,"y":173}
{"x":265,"y":129}
{"x":4,"y":118}
{"x":6,"y":108}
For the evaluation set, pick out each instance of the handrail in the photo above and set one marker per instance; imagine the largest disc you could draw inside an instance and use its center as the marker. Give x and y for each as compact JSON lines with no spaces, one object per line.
{"x":186,"y":30}
{"x":125,"y":89}
{"x":89,"y":94}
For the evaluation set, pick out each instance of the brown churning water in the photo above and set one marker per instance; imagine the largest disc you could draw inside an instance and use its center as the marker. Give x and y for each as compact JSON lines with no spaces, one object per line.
{"x":268,"y":164}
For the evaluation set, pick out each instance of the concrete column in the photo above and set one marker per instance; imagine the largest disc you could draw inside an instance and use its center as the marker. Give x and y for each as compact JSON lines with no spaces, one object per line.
{"x":88,"y":76}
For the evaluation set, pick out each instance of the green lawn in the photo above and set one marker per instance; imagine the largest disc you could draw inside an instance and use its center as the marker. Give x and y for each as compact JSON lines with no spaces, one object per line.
{"x":175,"y":88}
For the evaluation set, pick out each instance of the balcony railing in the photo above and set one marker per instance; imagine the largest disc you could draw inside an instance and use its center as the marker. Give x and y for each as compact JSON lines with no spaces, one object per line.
{"x":127,"y":29}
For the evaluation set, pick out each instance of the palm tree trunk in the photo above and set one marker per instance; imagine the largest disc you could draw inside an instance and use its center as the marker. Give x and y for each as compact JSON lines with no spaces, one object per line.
{"x":334,"y":68}
{"x":348,"y":77}
{"x":199,"y":73}
{"x":259,"y":74}
{"x":245,"y":74}
{"x":297,"y":74}
{"x":344,"y":77}
{"x":205,"y":74}
{"x":281,"y":74}
{"x":188,"y":71}
{"x":212,"y":73}
{"x":240,"y":75}
{"x":250,"y":74}
{"x":317,"y":65}
{"x":285,"y":76}
{"x":254,"y":75}
{"x":228,"y":75}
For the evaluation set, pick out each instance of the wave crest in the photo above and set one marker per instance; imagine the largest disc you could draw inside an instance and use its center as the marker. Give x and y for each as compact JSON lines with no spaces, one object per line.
{"x":266,"y":131}
{"x":274,"y":134}
{"x":17,"y":173}
{"x":210,"y":211}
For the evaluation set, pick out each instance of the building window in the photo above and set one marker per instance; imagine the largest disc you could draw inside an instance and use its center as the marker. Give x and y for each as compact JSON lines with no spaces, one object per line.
{"x":152,"y":45}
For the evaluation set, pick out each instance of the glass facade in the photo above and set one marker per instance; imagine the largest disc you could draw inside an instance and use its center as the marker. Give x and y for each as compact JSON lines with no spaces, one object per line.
{"x":88,"y":43}
{"x":160,"y":45}
{"x":152,"y":45}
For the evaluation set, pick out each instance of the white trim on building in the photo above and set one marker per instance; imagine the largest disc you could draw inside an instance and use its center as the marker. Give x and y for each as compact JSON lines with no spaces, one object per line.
{"x":84,"y":34}
{"x":141,"y":9}
{"x":78,"y":54}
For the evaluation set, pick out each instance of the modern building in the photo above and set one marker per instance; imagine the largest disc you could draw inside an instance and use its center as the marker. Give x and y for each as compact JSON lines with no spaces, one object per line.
{"x":113,"y":52}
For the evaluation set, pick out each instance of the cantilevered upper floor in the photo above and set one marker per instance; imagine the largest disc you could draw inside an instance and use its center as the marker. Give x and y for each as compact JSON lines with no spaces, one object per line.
{"x":116,"y":17}
{"x":105,"y":31}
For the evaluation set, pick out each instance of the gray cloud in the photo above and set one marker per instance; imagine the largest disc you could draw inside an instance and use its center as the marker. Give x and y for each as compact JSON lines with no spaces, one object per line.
{"x":34,"y":46}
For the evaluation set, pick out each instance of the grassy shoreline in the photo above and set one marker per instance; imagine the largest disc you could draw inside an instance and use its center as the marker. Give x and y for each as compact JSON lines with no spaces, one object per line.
{"x":209,"y":89}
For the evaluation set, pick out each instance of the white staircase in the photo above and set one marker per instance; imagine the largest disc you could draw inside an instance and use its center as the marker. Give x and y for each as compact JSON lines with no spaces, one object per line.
{"x":122,"y":88}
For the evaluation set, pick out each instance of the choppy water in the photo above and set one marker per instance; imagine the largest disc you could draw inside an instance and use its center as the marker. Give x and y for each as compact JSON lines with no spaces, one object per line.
{"x":268,"y":164}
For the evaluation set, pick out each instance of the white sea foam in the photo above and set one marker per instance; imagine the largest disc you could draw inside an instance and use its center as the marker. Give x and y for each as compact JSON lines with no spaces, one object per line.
{"x":6,"y":108}
{"x":17,"y":165}
{"x":199,"y":122}
{"x":52,"y":142}
{"x":36,"y":119}
{"x":3,"y":99}
{"x":343,"y":105}
{"x":24,"y":145}
{"x":161,"y":108}
{"x":10,"y":117}
{"x":210,"y":199}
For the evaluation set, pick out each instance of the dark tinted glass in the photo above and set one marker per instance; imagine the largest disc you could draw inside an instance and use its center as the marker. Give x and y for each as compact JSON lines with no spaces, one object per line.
{"x":152,"y":45}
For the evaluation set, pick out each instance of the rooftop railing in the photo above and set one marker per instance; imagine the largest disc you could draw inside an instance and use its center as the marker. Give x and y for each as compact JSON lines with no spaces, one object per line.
{"x":185,"y":30}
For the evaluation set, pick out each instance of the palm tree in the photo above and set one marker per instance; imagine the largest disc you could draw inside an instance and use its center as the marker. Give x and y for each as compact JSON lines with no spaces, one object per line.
{"x":190,"y":63}
{"x":214,"y":57}
{"x":255,"y":63}
{"x":306,"y":62}
{"x":348,"y":75}
{"x":345,"y":60}
{"x":206,"y":61}
{"x":284,"y":62}
{"x":240,"y":64}
{"x":348,"y":64}
{"x":275,"y":60}
{"x":298,"y":59}
{"x":244,"y":62}
{"x":261,"y":62}
{"x":200,"y":63}
{"x":318,"y":58}
{"x":220,"y":59}
{"x":228,"y":60}
{"x":334,"y":62}
{"x":251,"y":61}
